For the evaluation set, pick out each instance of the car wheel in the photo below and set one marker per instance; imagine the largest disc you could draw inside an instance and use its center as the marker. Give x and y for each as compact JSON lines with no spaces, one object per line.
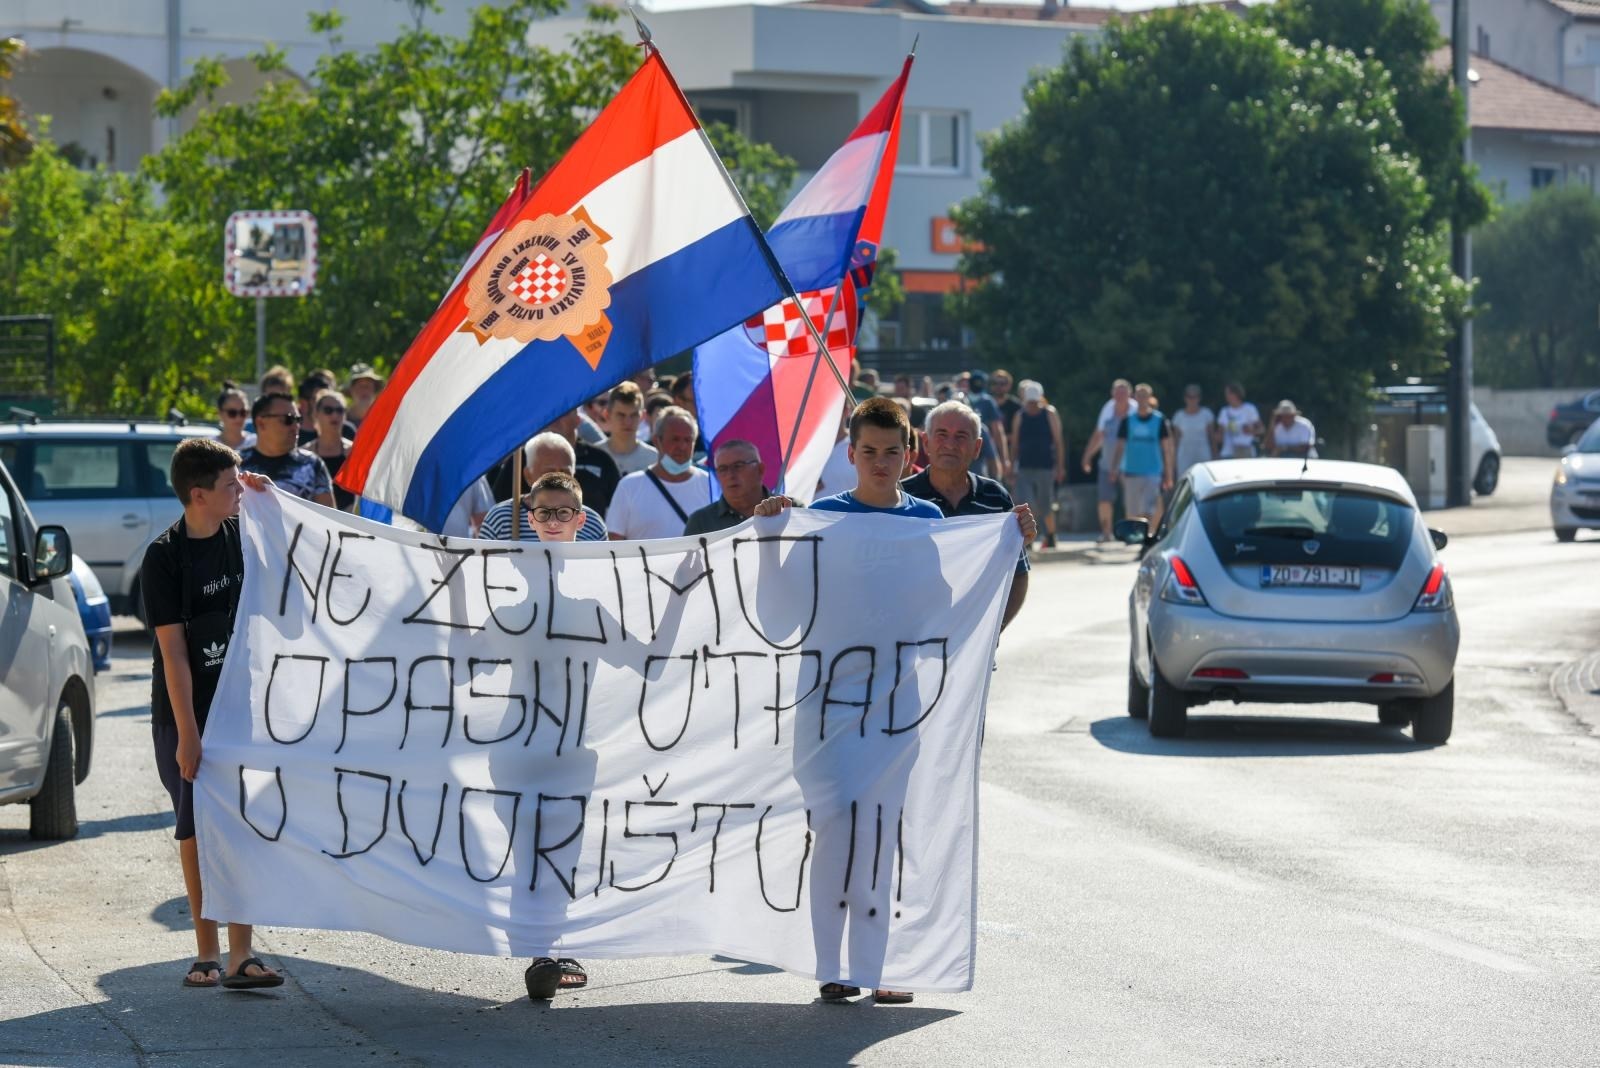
{"x":1433,"y":717}
{"x":1138,"y":694}
{"x":1394,"y":714}
{"x":1488,"y":475}
{"x":1168,"y":707}
{"x":53,"y":813}
{"x":1566,"y":533}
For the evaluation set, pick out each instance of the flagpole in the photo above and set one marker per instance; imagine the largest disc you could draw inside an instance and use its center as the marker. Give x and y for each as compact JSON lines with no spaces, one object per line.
{"x":761,"y":238}
{"x":833,"y":304}
{"x":516,"y":495}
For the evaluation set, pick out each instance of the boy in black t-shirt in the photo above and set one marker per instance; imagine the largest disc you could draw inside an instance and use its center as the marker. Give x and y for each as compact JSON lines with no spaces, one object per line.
{"x":190,"y":579}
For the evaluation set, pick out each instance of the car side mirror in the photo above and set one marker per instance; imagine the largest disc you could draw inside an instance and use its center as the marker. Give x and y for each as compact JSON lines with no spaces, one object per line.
{"x":1440,"y":538}
{"x":52,"y":554}
{"x":1132,"y":531}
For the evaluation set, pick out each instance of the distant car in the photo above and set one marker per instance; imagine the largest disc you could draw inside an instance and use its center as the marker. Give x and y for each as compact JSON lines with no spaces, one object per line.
{"x":1426,"y":404}
{"x":1575,"y":494}
{"x":47,"y":684}
{"x":1270,"y":580}
{"x":1568,"y":421}
{"x":107,"y":484}
{"x":94,"y":609}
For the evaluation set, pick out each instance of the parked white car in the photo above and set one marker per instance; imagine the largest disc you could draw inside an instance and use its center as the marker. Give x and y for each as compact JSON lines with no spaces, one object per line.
{"x":46,"y":678}
{"x":107,"y":484}
{"x":1575,"y":494}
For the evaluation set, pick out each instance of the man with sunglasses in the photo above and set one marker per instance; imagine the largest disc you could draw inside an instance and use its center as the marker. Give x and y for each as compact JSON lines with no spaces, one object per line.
{"x":278,"y":455}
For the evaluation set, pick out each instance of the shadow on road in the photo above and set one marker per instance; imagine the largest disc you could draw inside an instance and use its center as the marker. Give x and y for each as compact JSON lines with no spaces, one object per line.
{"x":1255,"y":736}
{"x":327,"y":1014}
{"x":17,"y":841}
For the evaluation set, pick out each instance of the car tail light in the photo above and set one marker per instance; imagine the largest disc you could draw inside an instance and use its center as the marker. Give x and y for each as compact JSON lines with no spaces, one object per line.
{"x":1435,"y":595}
{"x":1221,"y":673}
{"x":1181,"y":588}
{"x":1385,"y":678}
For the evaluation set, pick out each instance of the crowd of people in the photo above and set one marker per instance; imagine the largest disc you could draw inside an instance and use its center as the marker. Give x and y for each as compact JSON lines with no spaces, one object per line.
{"x":630,"y":464}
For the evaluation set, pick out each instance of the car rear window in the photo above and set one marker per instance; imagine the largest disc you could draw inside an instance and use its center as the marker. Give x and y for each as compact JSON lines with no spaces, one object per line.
{"x":1294,"y":524}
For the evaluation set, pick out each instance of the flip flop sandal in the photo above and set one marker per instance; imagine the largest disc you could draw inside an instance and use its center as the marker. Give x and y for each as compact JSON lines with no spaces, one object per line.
{"x":893,"y":997}
{"x":542,"y":978}
{"x":241,"y":981}
{"x":837,"y":991}
{"x":202,"y":966}
{"x":573,"y":977}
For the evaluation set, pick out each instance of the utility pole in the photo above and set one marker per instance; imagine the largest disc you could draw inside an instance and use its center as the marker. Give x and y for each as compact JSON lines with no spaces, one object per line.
{"x":1458,"y":491}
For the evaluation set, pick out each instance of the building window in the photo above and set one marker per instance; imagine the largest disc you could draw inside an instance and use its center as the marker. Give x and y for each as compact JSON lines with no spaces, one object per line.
{"x":932,"y":142}
{"x":735,"y":114}
{"x":1483,"y":42}
{"x":1544,"y":175}
{"x":1583,"y":174}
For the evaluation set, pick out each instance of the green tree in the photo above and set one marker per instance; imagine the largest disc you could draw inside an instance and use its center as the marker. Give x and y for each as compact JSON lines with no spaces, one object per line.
{"x":1539,"y":291}
{"x":1396,"y":38}
{"x":138,"y":323}
{"x":14,"y":140}
{"x":1193,"y":198}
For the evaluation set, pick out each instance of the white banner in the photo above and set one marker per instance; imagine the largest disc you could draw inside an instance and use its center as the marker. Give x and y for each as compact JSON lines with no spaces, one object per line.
{"x":762,"y":744}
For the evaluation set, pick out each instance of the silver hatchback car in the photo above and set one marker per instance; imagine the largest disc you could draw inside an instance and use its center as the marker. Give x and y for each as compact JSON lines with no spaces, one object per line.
{"x":1282,"y":581}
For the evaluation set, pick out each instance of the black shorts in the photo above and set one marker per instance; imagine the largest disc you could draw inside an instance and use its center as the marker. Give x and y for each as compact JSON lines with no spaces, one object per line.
{"x":180,"y":789}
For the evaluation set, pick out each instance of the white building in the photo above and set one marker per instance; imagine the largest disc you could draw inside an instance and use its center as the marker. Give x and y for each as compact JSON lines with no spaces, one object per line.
{"x":95,"y":66}
{"x":1554,"y":41}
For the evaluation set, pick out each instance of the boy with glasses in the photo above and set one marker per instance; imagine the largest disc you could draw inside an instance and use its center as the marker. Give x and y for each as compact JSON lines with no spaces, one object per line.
{"x":278,"y":455}
{"x":558,"y":514}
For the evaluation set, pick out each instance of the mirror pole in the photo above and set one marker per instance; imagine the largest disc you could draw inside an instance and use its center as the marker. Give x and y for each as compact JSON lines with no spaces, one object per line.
{"x":261,"y":337}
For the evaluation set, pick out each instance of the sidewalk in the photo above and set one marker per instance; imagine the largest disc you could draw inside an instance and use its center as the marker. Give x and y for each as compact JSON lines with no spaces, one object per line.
{"x":1520,"y":503}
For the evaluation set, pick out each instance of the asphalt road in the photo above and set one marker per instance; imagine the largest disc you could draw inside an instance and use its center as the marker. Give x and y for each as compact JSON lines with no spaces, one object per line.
{"x":1283,"y":887}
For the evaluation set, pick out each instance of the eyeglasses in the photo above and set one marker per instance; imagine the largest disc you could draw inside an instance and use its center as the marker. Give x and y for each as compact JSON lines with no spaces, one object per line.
{"x":234,"y":413}
{"x":290,"y":419}
{"x":325,"y":410}
{"x":734,"y":467}
{"x":560,"y":515}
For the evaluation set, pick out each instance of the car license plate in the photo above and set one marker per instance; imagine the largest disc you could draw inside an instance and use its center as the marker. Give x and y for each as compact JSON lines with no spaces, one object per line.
{"x":1348,"y":578}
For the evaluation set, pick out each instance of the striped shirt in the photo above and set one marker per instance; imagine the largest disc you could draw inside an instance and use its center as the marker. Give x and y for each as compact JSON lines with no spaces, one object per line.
{"x":497,"y":525}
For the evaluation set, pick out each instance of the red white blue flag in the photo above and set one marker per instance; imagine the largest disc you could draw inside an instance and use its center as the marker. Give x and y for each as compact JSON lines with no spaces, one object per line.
{"x":750,"y":381}
{"x":633,"y":248}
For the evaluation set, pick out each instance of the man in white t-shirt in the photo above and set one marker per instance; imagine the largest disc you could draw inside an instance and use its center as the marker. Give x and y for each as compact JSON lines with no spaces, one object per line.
{"x":1194,"y":426}
{"x":656,"y":502}
{"x":1291,"y":434}
{"x":1237,"y":425}
{"x":624,"y":409}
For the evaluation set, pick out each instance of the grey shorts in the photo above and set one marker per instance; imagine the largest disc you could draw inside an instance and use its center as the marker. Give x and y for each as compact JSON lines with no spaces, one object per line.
{"x":1140,"y":494}
{"x":1036,"y":488}
{"x":1105,"y":490}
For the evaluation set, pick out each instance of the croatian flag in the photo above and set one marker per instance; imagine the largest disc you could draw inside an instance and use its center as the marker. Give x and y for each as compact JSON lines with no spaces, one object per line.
{"x":750,"y":381}
{"x":631,"y":249}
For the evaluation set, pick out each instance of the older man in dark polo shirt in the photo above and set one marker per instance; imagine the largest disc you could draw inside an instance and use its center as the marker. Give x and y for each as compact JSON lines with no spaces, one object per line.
{"x":739,"y":470}
{"x":953,"y":436}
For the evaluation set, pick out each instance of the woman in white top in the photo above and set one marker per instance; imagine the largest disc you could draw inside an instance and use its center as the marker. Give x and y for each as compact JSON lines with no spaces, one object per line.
{"x":1194,"y":426}
{"x":1237,"y":425}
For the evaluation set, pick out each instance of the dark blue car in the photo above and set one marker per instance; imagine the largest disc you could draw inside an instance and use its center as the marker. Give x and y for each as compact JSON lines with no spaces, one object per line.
{"x":94,"y":608}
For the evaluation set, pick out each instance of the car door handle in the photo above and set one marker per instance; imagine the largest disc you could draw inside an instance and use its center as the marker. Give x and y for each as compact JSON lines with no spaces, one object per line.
{"x":132,"y":520}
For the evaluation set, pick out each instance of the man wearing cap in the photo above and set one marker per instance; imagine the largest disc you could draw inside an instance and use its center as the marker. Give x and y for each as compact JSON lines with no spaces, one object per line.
{"x":1291,"y":434}
{"x":993,"y":450}
{"x":362,"y":389}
